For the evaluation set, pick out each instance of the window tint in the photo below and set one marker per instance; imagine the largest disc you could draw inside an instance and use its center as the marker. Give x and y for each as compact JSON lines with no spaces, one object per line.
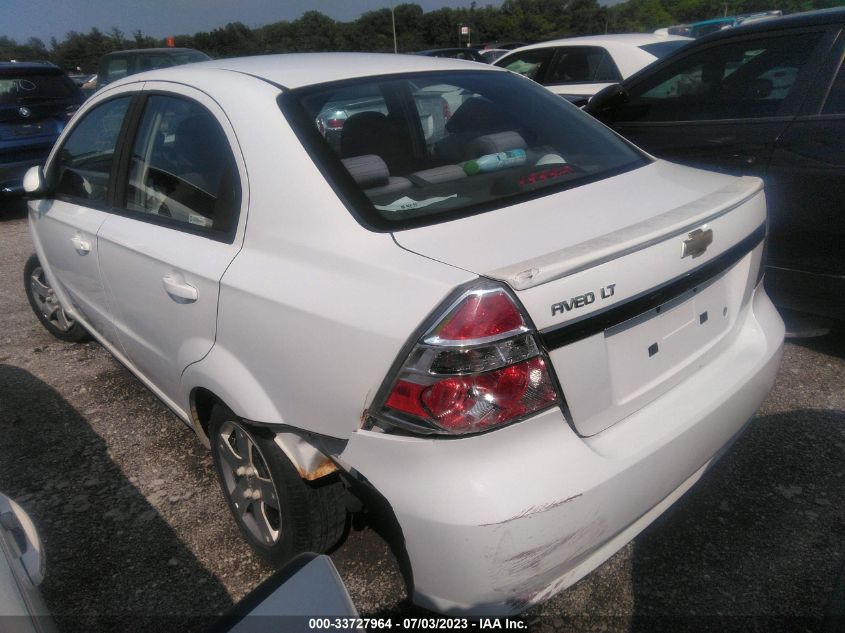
{"x":84,"y":161}
{"x":745,"y":79}
{"x":835,"y":103}
{"x":528,"y":63}
{"x":448,"y":143}
{"x":182,"y":167}
{"x":581,"y":64}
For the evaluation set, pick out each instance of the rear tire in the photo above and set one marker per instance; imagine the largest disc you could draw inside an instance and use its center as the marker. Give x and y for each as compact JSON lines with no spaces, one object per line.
{"x":290,"y":515}
{"x":46,"y":306}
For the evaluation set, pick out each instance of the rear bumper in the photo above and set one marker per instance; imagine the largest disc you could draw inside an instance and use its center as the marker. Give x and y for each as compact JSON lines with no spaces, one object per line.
{"x":498,"y":522}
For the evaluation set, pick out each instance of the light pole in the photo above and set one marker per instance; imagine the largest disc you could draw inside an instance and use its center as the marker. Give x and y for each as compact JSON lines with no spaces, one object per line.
{"x":393,"y":23}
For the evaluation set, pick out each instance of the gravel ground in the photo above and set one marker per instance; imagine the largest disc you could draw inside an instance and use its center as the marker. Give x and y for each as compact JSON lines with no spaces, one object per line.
{"x":138,"y":537}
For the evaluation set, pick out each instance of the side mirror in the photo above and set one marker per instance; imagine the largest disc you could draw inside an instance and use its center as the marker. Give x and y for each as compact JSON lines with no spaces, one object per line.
{"x":606,"y":99}
{"x":34,"y":183}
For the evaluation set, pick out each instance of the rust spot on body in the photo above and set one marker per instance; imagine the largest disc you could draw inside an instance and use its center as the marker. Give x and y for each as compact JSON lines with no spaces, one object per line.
{"x":325,"y":467}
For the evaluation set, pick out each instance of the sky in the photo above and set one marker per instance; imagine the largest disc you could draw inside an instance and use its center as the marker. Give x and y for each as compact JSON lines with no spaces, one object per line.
{"x":44,"y":19}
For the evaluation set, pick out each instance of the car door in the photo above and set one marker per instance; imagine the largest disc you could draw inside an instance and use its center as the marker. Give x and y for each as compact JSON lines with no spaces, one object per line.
{"x":65,"y":225}
{"x":176,"y":229}
{"x":723,"y":105}
{"x":580,"y":70}
{"x":806,"y":194}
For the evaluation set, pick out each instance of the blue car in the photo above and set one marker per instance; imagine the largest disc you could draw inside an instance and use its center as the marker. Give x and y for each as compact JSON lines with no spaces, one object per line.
{"x":37,"y":99}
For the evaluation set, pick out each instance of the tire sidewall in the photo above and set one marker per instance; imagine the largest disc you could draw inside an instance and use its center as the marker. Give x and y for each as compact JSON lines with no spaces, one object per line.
{"x":75,"y":334}
{"x":294,"y":538}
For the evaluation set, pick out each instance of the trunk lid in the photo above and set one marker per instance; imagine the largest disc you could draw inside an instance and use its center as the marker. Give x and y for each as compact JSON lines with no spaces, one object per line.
{"x":633,"y":281}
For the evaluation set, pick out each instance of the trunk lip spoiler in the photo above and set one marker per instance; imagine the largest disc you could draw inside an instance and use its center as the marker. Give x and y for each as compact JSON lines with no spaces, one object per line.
{"x":630,"y":239}
{"x":557,"y":336}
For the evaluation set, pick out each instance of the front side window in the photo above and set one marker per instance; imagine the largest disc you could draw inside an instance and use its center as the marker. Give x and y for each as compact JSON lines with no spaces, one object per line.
{"x":182,"y":168}
{"x":581,"y":64}
{"x":736,"y":80}
{"x":414,"y":149}
{"x":84,"y":162}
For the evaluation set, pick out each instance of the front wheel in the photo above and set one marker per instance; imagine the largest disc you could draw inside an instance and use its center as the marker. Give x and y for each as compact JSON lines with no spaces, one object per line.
{"x":279,"y":514}
{"x":46,"y":304}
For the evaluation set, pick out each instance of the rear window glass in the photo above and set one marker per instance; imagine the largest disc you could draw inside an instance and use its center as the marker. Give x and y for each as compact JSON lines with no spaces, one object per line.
{"x":417,"y":149}
{"x":661,"y":49}
{"x":29,"y":87}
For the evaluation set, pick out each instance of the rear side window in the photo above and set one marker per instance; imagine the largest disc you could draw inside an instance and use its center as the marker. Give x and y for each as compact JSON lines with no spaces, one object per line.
{"x":182,"y":168}
{"x":661,"y":49}
{"x":115,"y":68}
{"x":736,"y":80}
{"x":835,"y":103}
{"x":581,"y":64}
{"x":423,"y":148}
{"x":527,"y":63}
{"x":84,"y":162}
{"x":26,"y":88}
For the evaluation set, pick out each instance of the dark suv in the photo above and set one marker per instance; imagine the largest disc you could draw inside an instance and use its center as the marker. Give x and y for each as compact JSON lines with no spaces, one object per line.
{"x":36,"y":101}
{"x":766,"y":99}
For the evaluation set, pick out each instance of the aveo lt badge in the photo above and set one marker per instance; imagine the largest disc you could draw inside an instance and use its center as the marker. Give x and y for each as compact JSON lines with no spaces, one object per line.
{"x":697,"y":243}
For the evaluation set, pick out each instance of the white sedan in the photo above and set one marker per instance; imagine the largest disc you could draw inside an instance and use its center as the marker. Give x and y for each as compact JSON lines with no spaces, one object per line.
{"x":522,"y":336}
{"x":581,"y":66}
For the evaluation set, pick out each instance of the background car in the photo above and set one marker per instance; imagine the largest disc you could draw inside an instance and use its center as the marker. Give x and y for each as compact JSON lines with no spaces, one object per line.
{"x":581,"y":66}
{"x":36,"y":101}
{"x":412,"y":321}
{"x":764,"y":99}
{"x":119,"y":64}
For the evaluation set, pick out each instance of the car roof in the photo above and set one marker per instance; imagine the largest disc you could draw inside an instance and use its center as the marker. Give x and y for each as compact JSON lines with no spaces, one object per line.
{"x":296,"y":70}
{"x":808,"y":18}
{"x":629,"y":39}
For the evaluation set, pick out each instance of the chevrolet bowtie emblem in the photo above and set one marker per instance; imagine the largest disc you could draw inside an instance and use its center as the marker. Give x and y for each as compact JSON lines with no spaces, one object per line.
{"x":697,"y":243}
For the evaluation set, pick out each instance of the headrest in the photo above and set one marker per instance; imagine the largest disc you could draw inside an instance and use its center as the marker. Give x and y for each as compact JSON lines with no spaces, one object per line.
{"x":368,"y":170}
{"x":495,"y":143}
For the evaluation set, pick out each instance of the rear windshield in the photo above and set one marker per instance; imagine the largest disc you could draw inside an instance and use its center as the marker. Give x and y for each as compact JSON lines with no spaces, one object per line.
{"x":408,"y":150}
{"x":29,"y":87}
{"x":661,"y":49}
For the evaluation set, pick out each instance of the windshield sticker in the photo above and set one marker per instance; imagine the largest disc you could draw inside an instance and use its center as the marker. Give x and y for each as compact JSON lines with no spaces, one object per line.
{"x":405,"y":203}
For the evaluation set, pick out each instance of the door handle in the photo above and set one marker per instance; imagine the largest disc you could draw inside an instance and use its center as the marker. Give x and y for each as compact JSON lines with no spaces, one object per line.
{"x":82,"y":246}
{"x":178,"y":289}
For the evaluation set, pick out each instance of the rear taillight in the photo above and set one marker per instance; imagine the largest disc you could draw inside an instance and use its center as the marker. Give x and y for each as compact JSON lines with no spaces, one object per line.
{"x":335,"y":124}
{"x":478,"y":366}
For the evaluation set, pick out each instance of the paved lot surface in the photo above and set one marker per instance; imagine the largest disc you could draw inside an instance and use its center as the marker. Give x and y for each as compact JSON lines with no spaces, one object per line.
{"x":138,"y":537}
